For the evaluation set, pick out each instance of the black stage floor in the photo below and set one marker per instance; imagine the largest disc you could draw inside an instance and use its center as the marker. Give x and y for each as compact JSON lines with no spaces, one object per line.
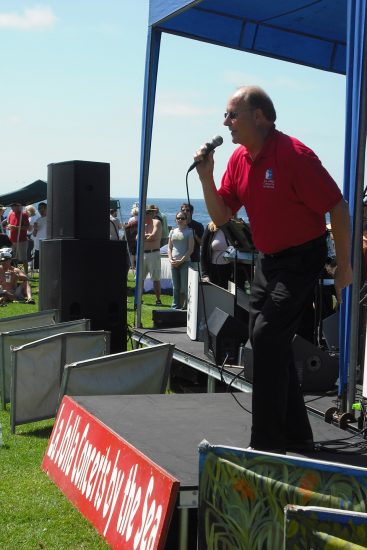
{"x":168,"y":428}
{"x":174,"y":335}
{"x":191,"y":353}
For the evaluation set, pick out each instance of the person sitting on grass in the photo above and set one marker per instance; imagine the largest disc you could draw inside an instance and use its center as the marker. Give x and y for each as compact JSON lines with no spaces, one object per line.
{"x":13,"y":281}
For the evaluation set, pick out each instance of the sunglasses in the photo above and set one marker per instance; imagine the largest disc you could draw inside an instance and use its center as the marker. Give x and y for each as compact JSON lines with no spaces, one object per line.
{"x":233,"y":115}
{"x":180,"y":219}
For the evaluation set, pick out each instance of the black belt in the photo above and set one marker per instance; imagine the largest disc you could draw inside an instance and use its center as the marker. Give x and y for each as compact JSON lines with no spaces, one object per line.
{"x":149,"y":251}
{"x":309,"y":245}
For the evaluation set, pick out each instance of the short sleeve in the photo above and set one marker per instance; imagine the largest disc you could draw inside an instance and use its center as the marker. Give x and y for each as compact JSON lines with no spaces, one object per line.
{"x":312,"y":183}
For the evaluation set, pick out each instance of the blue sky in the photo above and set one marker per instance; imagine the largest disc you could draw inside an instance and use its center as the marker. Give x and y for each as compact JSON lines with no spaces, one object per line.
{"x":72,"y":74}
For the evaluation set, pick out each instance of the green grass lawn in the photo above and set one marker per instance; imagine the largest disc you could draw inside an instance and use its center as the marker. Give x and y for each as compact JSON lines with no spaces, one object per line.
{"x":34,"y":514}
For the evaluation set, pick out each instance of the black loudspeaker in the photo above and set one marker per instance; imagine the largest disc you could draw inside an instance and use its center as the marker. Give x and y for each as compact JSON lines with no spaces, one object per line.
{"x":247,"y":361}
{"x":209,"y":297}
{"x":330,"y":328}
{"x":224,"y":337}
{"x":316,"y":369}
{"x":169,"y":318}
{"x":86,"y":279}
{"x":78,"y":200}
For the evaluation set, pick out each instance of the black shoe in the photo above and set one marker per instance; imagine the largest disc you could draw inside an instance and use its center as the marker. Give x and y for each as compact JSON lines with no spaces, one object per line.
{"x":158,"y":303}
{"x":301,"y":446}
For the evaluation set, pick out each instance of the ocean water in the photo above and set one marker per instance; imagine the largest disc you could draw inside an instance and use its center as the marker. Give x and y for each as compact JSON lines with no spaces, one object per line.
{"x":170,"y":207}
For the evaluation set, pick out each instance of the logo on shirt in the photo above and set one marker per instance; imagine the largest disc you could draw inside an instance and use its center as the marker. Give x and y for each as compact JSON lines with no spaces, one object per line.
{"x":268,"y":182}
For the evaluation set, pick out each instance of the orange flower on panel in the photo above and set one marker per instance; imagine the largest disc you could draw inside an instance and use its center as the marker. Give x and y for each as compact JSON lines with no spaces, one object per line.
{"x":245,"y":490}
{"x":308,"y":484}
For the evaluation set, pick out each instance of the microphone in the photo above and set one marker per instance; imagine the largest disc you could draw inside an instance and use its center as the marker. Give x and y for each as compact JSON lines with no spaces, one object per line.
{"x":215,"y":142}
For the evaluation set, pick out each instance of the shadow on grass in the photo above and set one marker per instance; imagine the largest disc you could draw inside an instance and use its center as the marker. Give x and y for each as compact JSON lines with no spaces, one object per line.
{"x":42,"y":433}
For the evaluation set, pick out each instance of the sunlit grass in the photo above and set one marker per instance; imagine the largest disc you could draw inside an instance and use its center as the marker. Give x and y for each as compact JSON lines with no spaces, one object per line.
{"x":34,"y":514}
{"x":20,"y":308}
{"x":148,"y":305}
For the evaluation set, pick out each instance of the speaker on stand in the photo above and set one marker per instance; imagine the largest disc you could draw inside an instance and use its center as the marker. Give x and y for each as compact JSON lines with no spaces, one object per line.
{"x":78,"y":200}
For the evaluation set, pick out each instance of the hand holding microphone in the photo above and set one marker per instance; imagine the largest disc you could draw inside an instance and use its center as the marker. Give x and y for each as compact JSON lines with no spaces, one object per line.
{"x":206,"y":149}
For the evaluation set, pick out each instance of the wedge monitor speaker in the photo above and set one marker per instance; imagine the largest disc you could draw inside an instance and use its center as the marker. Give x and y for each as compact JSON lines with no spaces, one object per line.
{"x":164,"y":318}
{"x":224,"y":337}
{"x":317,"y":370}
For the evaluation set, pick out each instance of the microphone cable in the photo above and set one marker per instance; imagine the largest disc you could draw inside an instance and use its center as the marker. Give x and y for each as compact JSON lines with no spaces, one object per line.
{"x":344,"y":445}
{"x":220,"y":368}
{"x":161,"y":331}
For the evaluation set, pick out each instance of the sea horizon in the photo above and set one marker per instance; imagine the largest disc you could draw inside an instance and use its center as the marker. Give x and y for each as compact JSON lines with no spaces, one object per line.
{"x":170,"y":207}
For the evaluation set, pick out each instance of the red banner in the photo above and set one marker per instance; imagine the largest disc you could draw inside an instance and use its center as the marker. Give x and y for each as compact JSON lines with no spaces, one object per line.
{"x":126,"y":496}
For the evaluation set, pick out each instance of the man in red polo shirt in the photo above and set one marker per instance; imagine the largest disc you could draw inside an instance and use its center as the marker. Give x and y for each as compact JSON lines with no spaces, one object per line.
{"x":286,"y":192}
{"x":18,"y":223}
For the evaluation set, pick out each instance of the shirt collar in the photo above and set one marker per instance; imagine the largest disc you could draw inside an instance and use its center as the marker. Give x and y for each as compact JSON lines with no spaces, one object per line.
{"x":268,"y":146}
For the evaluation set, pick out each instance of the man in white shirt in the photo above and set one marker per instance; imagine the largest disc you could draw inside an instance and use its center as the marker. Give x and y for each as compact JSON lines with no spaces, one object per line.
{"x":39,"y":232}
{"x":115,"y":225}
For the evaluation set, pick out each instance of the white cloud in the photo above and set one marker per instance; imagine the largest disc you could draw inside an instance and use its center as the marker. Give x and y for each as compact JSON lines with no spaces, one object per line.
{"x":31,"y":18}
{"x":171,"y":105}
{"x":13,"y":121}
{"x":10,"y":122}
{"x":182,"y":110}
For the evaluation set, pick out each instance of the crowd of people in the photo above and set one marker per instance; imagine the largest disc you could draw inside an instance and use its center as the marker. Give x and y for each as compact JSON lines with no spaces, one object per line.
{"x":187,"y":244}
{"x":182,"y":244}
{"x":23,"y":229}
{"x":20,"y":234}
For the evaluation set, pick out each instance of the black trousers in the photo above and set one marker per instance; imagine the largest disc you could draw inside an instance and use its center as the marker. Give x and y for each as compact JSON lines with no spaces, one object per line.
{"x":36,"y":259}
{"x":280,"y":290}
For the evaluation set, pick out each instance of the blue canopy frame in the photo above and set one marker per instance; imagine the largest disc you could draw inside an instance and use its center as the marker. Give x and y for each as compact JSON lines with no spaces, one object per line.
{"x":324,"y":34}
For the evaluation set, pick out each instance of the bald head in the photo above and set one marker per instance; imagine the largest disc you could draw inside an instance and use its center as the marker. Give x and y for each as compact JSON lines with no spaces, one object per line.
{"x":250,"y":117}
{"x":257,"y":98}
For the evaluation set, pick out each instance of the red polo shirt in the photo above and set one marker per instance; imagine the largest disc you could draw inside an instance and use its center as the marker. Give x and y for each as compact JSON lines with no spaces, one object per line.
{"x":14,"y":219}
{"x":286,"y":192}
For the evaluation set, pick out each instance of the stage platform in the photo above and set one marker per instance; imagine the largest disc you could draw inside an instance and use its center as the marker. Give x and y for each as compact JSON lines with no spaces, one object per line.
{"x":191,"y":353}
{"x":109,"y":453}
{"x":168,"y":429}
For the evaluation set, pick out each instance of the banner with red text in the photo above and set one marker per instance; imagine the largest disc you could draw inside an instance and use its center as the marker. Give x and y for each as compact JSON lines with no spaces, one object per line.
{"x":126,"y":496}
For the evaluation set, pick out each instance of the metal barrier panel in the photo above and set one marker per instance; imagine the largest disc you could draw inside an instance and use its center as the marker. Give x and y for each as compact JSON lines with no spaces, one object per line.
{"x":138,"y":371}
{"x":37,"y":370}
{"x":29,"y":320}
{"x":18,"y":338}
